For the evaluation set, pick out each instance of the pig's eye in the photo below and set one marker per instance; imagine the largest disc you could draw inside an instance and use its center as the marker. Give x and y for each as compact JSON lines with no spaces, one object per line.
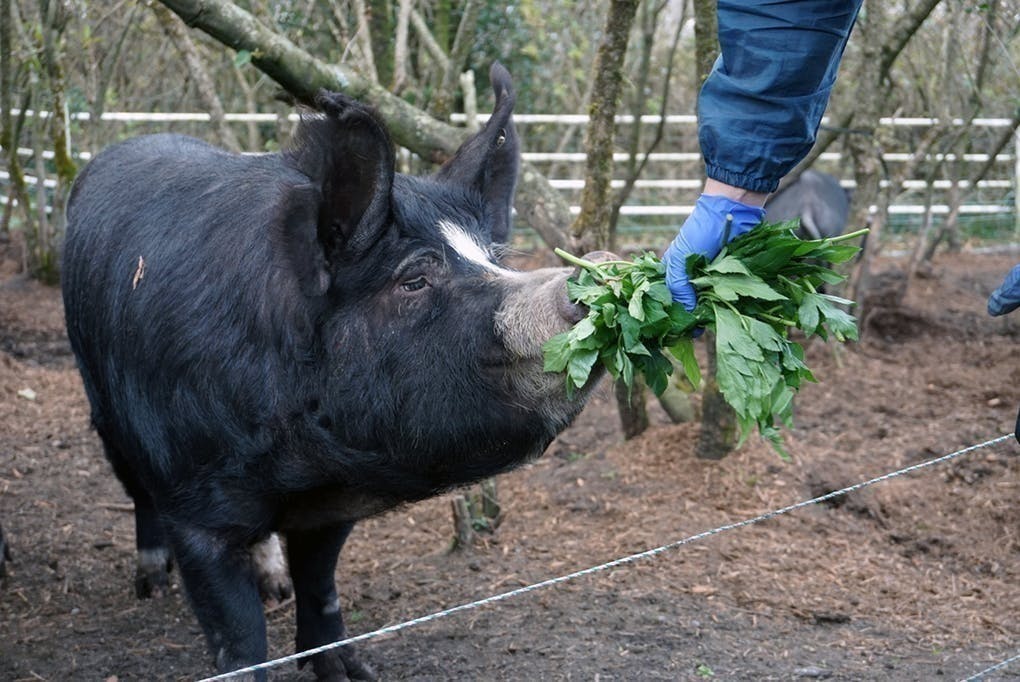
{"x":415,"y":284}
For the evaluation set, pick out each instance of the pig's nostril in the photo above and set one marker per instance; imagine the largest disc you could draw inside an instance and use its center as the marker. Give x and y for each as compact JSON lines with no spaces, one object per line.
{"x":570,"y":311}
{"x":575,"y":312}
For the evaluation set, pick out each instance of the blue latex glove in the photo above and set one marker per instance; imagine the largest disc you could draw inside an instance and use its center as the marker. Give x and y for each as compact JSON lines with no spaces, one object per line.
{"x":1006,"y":298}
{"x":703,"y":233}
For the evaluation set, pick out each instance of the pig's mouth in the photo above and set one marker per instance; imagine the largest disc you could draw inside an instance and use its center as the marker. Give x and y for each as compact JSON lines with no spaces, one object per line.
{"x":526,"y":379}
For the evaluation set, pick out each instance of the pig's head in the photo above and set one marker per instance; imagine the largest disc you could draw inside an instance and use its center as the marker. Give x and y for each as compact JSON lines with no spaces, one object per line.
{"x":433,"y":348}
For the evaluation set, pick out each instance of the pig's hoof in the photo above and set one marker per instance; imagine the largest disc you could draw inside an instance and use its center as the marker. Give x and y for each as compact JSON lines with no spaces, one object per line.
{"x":340,"y":666}
{"x":152,"y":576}
{"x":274,"y":589}
{"x":271,"y":570}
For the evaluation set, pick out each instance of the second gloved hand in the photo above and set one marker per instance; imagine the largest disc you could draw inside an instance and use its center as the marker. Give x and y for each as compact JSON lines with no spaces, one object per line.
{"x":1006,"y":298}
{"x":703,"y":233}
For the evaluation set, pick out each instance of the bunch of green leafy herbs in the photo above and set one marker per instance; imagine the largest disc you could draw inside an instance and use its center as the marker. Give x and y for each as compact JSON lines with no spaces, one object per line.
{"x":760,"y":287}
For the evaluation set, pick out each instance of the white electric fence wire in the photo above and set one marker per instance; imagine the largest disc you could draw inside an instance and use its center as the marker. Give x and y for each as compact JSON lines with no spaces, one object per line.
{"x":602,"y":567}
{"x":997,"y":666}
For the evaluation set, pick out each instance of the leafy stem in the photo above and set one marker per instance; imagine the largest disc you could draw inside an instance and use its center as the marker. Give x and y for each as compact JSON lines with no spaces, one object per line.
{"x":588,"y":265}
{"x":777,"y":320}
{"x":842,"y":237}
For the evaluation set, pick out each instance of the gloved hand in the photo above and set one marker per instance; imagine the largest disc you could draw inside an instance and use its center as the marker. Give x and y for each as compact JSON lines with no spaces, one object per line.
{"x":703,"y":233}
{"x":1006,"y":298}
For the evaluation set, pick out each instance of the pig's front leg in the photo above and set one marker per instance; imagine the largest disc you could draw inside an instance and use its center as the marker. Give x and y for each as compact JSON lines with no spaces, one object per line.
{"x":222,"y":587}
{"x":312,"y":555}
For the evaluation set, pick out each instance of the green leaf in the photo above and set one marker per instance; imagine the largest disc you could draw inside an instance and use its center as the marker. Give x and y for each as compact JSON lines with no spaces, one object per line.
{"x":556,"y":352}
{"x":808,"y":314}
{"x":656,"y":370}
{"x":732,"y":287}
{"x":731,"y":337}
{"x":683,"y":351}
{"x":588,"y":293}
{"x":609,"y":315}
{"x":242,"y":57}
{"x":728,"y":265}
{"x":636,"y":310}
{"x":583,"y":329}
{"x":660,"y":292}
{"x":580,"y":365}
{"x":630,"y":329}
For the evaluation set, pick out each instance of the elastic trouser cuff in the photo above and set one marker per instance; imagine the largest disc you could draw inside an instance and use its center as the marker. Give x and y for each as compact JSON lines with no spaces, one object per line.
{"x":741,"y":180}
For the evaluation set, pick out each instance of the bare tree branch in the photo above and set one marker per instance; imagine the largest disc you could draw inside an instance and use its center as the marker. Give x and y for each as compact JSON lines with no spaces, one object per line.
{"x":1000,"y":143}
{"x":175,"y":28}
{"x":446,"y":80}
{"x":541,"y":206}
{"x":400,"y":49}
{"x":902,"y":31}
{"x":428,"y":40}
{"x":363,"y":36}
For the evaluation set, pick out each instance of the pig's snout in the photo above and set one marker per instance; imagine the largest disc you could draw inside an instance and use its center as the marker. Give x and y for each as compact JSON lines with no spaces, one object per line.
{"x":600,"y":256}
{"x":538,"y":307}
{"x":569,"y":310}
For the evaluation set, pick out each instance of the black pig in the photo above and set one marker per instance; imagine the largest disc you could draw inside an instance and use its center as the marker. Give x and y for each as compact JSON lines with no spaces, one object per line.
{"x":817,"y":199}
{"x":292,"y":342}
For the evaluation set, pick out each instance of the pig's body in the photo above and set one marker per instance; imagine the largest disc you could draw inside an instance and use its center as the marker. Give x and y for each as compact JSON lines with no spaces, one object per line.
{"x":817,"y":200}
{"x":294,"y":342}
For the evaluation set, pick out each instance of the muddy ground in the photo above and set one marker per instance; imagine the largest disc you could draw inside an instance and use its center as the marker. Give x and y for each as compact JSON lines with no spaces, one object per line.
{"x":916,"y":578}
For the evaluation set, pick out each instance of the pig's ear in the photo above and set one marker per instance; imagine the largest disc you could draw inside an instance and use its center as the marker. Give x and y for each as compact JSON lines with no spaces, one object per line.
{"x":349,"y":155}
{"x":488,"y":161}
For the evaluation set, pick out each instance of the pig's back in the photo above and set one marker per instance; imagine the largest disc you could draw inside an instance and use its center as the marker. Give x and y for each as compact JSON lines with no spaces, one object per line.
{"x":178,"y":306}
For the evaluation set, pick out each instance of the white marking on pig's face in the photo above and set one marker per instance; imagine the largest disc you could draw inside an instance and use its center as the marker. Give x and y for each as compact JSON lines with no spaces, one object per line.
{"x":468,"y":248}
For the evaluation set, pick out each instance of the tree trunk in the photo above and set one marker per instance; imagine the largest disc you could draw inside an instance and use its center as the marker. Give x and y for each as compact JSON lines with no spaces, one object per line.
{"x":446,"y":79}
{"x":49,"y":237}
{"x":363,"y":38}
{"x":475,"y":513}
{"x":632,"y":406}
{"x":8,"y":136}
{"x":719,"y":433}
{"x":706,"y":39}
{"x":865,"y":146}
{"x":591,"y":228}
{"x":400,"y":47}
{"x":638,"y":106}
{"x":383,"y":26}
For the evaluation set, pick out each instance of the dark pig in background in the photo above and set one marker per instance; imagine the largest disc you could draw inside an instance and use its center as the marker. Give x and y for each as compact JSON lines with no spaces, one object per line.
{"x":292,"y":342}
{"x":817,"y":200}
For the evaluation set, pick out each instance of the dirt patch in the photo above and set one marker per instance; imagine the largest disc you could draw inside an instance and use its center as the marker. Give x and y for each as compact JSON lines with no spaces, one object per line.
{"x":915,"y":578}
